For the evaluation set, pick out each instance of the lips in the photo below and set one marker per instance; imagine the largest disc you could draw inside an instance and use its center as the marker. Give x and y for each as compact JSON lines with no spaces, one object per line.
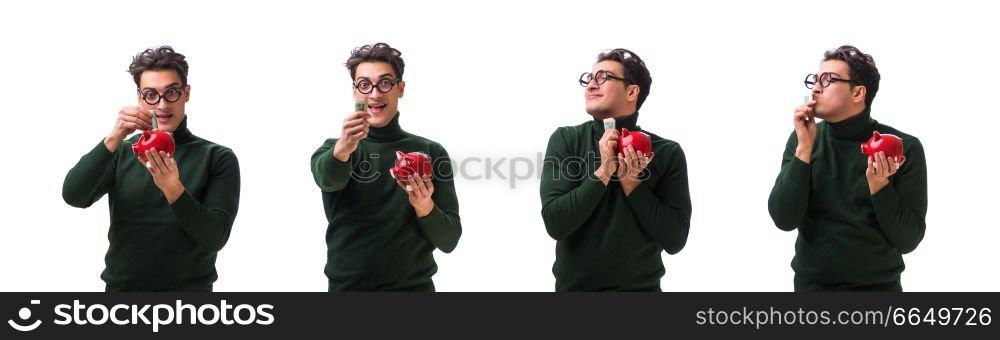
{"x":376,"y":108}
{"x":163,"y":118}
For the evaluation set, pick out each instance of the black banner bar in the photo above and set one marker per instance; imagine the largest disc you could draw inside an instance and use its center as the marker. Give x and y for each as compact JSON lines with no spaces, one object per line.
{"x":476,"y":315}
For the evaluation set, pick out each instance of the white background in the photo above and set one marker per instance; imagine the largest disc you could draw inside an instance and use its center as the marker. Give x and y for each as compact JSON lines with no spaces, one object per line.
{"x":493,"y":81}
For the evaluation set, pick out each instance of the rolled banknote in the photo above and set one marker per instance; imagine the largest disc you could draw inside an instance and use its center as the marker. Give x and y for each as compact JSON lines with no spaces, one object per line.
{"x":360,"y":106}
{"x":609,"y":124}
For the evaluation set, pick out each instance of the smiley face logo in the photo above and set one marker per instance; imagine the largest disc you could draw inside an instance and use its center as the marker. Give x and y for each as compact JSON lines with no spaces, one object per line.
{"x":25,"y":314}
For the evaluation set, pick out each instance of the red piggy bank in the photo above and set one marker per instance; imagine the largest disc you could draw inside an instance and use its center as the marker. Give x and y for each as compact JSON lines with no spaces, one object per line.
{"x":159,"y":139}
{"x":890,"y":144}
{"x":638,"y":140}
{"x":409,"y":164}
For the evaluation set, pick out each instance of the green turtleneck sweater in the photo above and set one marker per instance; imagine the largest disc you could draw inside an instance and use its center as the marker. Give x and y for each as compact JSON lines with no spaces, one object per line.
{"x":375,"y":242}
{"x":849,"y":239}
{"x":604,"y":239}
{"x":154,"y":245}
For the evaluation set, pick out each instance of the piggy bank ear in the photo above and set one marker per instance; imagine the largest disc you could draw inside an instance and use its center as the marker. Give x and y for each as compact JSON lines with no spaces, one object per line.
{"x":876,"y":135}
{"x":399,"y":155}
{"x":624,"y":132}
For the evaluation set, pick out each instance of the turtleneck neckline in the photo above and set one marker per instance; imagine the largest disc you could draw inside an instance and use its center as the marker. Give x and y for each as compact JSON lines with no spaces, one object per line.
{"x":181,"y":133}
{"x":858,"y":127}
{"x":389,"y":132}
{"x":628,"y":122}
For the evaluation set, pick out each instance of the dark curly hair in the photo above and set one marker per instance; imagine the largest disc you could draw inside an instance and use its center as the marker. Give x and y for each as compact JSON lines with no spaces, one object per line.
{"x":379,"y":52}
{"x":862,"y":68}
{"x":636,"y":72}
{"x":159,"y":59}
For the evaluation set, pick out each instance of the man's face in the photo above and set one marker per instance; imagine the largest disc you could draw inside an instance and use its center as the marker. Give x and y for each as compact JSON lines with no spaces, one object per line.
{"x":839,"y":99}
{"x":381,"y":106}
{"x":604,"y":100}
{"x":164,"y":85}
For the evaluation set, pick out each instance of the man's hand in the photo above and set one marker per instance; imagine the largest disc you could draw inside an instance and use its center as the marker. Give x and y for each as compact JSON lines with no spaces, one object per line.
{"x":354,"y":130}
{"x":633,"y":163}
{"x":609,"y":163}
{"x":880,"y":168}
{"x":130,"y":118}
{"x":419,"y":190}
{"x":166,"y":176}
{"x":804,"y":121}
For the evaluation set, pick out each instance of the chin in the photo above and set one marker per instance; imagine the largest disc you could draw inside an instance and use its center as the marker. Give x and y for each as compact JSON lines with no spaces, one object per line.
{"x":172,"y":124}
{"x":598,"y":113}
{"x":823,"y":115}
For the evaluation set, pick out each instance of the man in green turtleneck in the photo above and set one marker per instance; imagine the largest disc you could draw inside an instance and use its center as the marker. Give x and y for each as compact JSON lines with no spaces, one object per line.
{"x":856,"y":215}
{"x":171,"y":215}
{"x":382,"y":231}
{"x":612,"y":214}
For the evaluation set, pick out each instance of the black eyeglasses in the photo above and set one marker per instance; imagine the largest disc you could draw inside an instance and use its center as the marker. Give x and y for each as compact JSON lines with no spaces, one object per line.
{"x":152,"y":97}
{"x":825,"y":79}
{"x":600,"y":78}
{"x":383,"y":85}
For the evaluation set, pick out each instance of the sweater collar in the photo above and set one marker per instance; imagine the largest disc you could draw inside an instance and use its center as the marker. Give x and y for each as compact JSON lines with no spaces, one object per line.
{"x":389,"y":132}
{"x":858,"y":127}
{"x":181,"y":133}
{"x":628,"y":122}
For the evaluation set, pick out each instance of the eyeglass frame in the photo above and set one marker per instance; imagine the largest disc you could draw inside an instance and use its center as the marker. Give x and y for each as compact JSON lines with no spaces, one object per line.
{"x":607,"y":75}
{"x":392,"y":82}
{"x":818,"y":79}
{"x":159,"y":96}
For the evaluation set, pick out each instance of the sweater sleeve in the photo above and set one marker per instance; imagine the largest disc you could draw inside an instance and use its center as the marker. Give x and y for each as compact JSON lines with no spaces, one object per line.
{"x":569,"y":192}
{"x":210,"y":221}
{"x":664,"y":211}
{"x":330,"y":173}
{"x":789,"y":198}
{"x":442,"y":227}
{"x":901,"y":207}
{"x":91,"y":178}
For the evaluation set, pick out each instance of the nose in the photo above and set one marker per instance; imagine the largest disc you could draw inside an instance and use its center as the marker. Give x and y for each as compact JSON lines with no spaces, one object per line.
{"x":592,"y":85}
{"x":162,"y":105}
{"x":376,"y":94}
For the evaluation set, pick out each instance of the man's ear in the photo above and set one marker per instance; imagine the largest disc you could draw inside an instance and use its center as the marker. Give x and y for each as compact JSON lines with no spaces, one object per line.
{"x":858,"y":96}
{"x":402,"y":87}
{"x":187,"y":93}
{"x":632,"y":93}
